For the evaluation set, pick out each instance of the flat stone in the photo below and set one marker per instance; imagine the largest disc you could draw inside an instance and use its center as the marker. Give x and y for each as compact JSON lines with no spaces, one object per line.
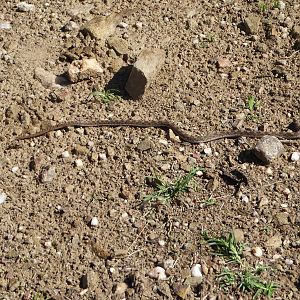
{"x":46,"y":78}
{"x":115,"y":65}
{"x":25,"y":7}
{"x":164,"y":289}
{"x":193,"y":281}
{"x":143,"y":71}
{"x":268,"y":148}
{"x":84,"y":69}
{"x":182,"y":291}
{"x":144,"y":145}
{"x":118,"y":44}
{"x":120,"y":288}
{"x":223,"y":62}
{"x":102,"y":27}
{"x":275,"y":241}
{"x":48,"y":174}
{"x":252,"y":24}
{"x":282,"y":218}
{"x":80,"y":150}
{"x":238,"y":234}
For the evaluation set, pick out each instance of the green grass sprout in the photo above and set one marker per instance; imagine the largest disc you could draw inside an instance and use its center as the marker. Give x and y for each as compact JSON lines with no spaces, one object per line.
{"x":263,"y":7}
{"x":227,"y":247}
{"x":227,"y":278}
{"x":106,"y":96}
{"x":166,"y":192}
{"x":250,"y":282}
{"x":252,"y":104}
{"x":209,"y":202}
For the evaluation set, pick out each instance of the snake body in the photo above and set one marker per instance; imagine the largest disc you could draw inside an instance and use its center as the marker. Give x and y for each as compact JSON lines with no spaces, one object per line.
{"x":192,"y":139}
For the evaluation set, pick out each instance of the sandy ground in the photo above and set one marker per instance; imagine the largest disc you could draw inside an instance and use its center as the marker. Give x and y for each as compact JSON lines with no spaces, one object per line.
{"x":218,"y":54}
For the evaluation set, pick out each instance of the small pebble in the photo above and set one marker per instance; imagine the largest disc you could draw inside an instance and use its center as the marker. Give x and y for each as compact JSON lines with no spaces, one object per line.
{"x":48,"y":174}
{"x":169,"y":263}
{"x":207,"y":151}
{"x":5,"y":25}
{"x":163,"y":142}
{"x":281,"y":5}
{"x":25,"y":7}
{"x":80,"y":130}
{"x":244,"y":198}
{"x":165,"y":167}
{"x":195,"y":41}
{"x":223,"y":62}
{"x":161,"y":242}
{"x":124,"y":215}
{"x":269,"y":171}
{"x":295,"y":156}
{"x":65,"y":154}
{"x":123,"y":25}
{"x":94,"y":221}
{"x":257,"y":251}
{"x":59,"y":209}
{"x":196,"y":270}
{"x":2,"y":197}
{"x":103,"y":156}
{"x":158,"y":273}
{"x":289,"y":262}
{"x":90,"y":144}
{"x":78,"y":163}
{"x":176,"y":224}
{"x":48,"y":244}
{"x":15,"y":169}
{"x":263,"y":201}
{"x":139,"y":25}
{"x":58,"y":133}
{"x":286,"y":191}
{"x":120,"y":288}
{"x":277,"y":256}
{"x":199,"y":173}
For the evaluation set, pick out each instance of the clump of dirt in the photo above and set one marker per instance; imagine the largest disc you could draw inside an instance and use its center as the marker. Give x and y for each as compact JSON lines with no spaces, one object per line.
{"x":73,"y":221}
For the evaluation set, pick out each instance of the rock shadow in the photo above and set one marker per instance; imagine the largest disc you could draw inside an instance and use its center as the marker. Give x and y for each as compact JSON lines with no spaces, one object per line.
{"x":118,"y":82}
{"x":248,"y":156}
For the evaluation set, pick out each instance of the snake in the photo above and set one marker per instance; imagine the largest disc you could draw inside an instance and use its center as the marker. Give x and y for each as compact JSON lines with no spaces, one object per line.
{"x":165,"y":124}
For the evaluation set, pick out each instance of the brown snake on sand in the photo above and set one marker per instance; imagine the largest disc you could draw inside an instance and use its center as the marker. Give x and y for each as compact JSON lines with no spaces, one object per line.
{"x":192,"y":139}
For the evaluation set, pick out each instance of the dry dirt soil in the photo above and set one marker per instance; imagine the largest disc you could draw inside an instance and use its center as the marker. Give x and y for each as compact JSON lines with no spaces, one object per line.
{"x":218,"y":54}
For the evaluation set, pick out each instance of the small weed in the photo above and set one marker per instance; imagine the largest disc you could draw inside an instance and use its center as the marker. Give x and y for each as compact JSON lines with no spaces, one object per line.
{"x":266,"y":229}
{"x":207,"y":40}
{"x":210,"y":38}
{"x":209,"y":202}
{"x":106,"y":96}
{"x":250,"y":282}
{"x":166,"y":192}
{"x":262,"y":7}
{"x":39,"y":296}
{"x":227,"y":278}
{"x":276,"y":4}
{"x":227,"y":247}
{"x":252,"y":104}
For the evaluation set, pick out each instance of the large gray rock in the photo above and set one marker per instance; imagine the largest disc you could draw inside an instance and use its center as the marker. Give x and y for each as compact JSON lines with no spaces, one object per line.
{"x":268,"y":148}
{"x":143,"y":71}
